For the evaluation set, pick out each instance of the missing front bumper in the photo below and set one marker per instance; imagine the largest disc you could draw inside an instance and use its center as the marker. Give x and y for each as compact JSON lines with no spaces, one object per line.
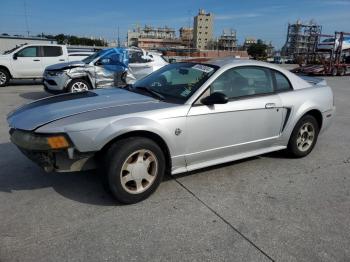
{"x":61,"y":161}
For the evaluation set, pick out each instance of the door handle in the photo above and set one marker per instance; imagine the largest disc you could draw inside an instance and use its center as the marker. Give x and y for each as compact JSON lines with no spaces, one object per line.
{"x":61,"y":60}
{"x":270,"y":105}
{"x":36,"y":60}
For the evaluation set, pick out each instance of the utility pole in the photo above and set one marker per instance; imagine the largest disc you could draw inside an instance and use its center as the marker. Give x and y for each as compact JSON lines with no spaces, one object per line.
{"x":26,"y":16}
{"x":118,"y":37}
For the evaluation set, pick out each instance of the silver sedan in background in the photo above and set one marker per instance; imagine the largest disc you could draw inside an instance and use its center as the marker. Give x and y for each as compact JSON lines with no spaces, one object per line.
{"x":183,"y":117}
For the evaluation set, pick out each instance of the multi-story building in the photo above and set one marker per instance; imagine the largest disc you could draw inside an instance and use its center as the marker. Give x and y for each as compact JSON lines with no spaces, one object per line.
{"x":228,"y":40}
{"x":150,"y":37}
{"x":186,"y":36}
{"x":301,"y":38}
{"x":202,"y":29}
{"x":248,"y":42}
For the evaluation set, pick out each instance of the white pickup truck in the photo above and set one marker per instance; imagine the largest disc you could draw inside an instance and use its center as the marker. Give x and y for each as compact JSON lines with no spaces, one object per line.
{"x":30,"y":61}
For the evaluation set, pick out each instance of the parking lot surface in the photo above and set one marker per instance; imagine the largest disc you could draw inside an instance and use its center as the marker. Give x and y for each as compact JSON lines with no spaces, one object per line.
{"x":260,"y":209}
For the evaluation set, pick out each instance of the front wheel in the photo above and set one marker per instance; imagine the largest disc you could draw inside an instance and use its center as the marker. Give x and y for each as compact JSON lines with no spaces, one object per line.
{"x":134,"y":169}
{"x":78,"y":85}
{"x":304,"y":137}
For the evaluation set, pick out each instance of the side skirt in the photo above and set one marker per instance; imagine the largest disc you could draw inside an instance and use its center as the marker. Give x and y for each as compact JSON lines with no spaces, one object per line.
{"x":227,"y":159}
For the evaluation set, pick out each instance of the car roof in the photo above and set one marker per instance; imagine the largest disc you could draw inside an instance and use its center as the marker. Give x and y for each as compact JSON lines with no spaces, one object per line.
{"x":227,"y":62}
{"x":221,"y":62}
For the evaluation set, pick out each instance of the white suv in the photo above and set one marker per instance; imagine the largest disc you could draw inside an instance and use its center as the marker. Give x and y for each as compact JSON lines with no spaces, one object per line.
{"x":30,"y":61}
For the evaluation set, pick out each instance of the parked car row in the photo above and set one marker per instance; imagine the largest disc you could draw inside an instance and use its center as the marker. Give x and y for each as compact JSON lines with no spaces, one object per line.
{"x":106,"y":68}
{"x":66,"y":71}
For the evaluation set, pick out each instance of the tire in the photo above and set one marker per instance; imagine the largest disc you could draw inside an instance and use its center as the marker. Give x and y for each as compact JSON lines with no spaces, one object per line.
{"x":125,"y":166}
{"x":303,"y":137}
{"x":341,"y":71}
{"x":4,"y":77}
{"x":334,"y":71}
{"x":78,"y":85}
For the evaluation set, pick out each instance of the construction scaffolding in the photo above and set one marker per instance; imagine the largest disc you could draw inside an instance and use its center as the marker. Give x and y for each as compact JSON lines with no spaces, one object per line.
{"x":228,"y":40}
{"x":301,"y":39}
{"x":331,"y":56}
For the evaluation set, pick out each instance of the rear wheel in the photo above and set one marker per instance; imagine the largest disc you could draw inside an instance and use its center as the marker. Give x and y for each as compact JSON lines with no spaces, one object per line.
{"x":134,"y":168}
{"x":4,"y":77}
{"x":78,"y":85}
{"x":304,"y":136}
{"x":341,"y":71}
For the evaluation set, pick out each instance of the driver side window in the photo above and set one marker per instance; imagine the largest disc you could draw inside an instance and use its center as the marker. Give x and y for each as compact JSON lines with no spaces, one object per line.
{"x":30,"y":51}
{"x":243,"y":81}
{"x":136,"y":57}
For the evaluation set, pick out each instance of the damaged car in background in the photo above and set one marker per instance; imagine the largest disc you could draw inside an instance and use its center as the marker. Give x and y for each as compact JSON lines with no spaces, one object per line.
{"x":106,"y":68}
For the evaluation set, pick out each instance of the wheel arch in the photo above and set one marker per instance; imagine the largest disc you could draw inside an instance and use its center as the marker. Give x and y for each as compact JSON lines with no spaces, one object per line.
{"x":316,"y":114}
{"x":7,"y":70}
{"x":145,"y":134}
{"x":83,"y":77}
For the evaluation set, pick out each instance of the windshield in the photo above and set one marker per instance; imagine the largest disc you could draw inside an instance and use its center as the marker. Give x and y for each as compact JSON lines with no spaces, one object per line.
{"x":176,"y":82}
{"x":92,"y":57}
{"x":328,"y":40}
{"x":11,"y":50}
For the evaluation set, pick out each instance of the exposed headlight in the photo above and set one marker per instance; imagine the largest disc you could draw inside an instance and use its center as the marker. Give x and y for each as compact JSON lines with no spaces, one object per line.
{"x":40,"y":142}
{"x":54,"y":73}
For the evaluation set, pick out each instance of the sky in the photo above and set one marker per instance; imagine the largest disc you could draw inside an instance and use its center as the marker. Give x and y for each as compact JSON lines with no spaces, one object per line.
{"x":264,"y":19}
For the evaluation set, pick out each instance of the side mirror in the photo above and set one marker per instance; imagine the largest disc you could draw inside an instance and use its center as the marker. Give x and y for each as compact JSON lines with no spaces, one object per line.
{"x":215,"y":98}
{"x":15,"y":55}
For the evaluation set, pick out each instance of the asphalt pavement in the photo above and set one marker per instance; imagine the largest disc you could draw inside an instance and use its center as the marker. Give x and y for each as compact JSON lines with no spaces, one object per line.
{"x":266,"y":208}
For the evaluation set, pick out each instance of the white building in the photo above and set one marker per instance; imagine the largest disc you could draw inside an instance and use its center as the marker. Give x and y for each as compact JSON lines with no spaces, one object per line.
{"x":9,"y":42}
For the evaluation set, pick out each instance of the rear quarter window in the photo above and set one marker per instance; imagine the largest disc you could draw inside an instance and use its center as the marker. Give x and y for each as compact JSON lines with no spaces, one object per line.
{"x":282,"y":82}
{"x":52,"y":51}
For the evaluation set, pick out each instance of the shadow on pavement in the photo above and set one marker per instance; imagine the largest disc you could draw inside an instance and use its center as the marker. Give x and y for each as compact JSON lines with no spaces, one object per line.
{"x":210,"y":168}
{"x":18,"y":173}
{"x":35,"y":95}
{"x":21,"y":82}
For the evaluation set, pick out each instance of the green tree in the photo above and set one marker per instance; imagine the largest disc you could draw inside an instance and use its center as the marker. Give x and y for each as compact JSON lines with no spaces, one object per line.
{"x":258,"y":51}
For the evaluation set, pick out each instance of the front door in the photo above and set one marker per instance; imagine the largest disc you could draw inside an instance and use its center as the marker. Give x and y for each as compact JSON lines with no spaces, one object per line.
{"x":251,"y":120}
{"x":27,"y":63}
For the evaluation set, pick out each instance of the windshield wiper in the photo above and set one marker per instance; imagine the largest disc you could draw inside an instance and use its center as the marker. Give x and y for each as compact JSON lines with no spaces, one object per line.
{"x":150,"y":91}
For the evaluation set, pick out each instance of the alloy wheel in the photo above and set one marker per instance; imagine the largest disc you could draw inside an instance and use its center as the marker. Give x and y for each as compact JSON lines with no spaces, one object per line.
{"x":79,"y":87}
{"x":139,"y":171}
{"x":3,"y":78}
{"x":306,"y":136}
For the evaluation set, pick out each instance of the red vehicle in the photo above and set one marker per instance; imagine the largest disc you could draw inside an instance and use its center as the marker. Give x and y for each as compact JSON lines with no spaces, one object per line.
{"x":329,"y":58}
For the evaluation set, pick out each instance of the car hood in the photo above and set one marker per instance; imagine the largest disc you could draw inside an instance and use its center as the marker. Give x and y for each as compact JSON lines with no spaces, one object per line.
{"x":4,"y":57}
{"x":33,"y":115}
{"x":66,"y":65}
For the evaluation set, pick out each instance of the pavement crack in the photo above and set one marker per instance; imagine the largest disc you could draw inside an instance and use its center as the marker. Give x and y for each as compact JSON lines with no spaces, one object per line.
{"x":224,"y":220}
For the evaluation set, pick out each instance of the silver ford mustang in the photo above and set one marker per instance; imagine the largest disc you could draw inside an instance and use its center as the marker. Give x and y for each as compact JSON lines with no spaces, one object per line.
{"x":184,"y":116}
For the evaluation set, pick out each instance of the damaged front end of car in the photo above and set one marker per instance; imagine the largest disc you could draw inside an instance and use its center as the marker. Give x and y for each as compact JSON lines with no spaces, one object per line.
{"x":52,"y":152}
{"x":106,"y":68}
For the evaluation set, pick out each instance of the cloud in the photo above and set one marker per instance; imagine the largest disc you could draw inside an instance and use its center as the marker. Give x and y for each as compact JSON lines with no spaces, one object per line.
{"x":235,"y":16}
